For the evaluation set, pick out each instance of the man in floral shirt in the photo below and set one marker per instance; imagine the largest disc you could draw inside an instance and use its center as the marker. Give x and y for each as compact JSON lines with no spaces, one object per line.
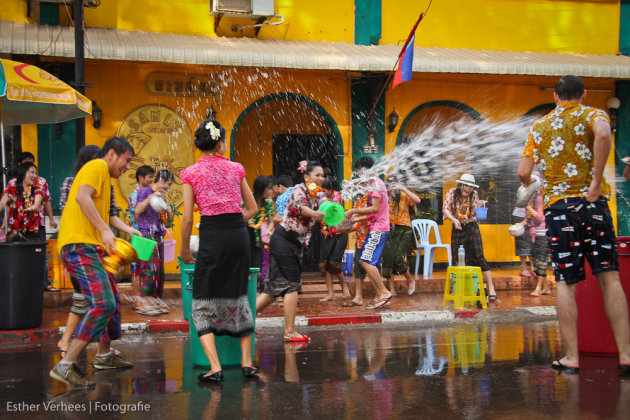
{"x":571,"y":144}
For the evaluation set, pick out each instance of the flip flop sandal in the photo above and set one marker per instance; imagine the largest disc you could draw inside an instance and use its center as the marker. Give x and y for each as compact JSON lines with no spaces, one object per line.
{"x":557,"y":365}
{"x":379,"y":303}
{"x":149,"y":312}
{"x":624,"y":367}
{"x":63,"y":353}
{"x":296,"y":338}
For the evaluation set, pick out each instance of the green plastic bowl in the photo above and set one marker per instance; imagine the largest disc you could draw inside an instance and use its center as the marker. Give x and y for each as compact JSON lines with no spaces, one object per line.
{"x":333,"y":213}
{"x":144,"y":247}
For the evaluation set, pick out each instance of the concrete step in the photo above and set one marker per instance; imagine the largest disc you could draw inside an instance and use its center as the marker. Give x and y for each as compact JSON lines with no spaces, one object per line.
{"x":314,"y":287}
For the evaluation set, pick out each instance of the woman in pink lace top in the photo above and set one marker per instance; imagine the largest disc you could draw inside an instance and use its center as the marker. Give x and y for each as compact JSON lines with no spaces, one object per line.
{"x":219,"y":305}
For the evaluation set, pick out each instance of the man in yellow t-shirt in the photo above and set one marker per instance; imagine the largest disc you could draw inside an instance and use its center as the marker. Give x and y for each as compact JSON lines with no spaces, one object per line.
{"x":84,"y":238}
{"x":571,"y":144}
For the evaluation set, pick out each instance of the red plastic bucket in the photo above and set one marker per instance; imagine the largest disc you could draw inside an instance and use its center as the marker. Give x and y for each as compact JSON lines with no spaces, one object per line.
{"x":594,"y":333}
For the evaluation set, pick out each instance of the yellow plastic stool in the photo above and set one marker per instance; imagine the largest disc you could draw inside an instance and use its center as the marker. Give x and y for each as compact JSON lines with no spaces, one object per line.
{"x":464,"y":286}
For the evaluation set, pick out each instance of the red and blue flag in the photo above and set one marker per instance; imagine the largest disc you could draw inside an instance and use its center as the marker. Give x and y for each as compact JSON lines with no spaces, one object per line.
{"x":404,"y":72}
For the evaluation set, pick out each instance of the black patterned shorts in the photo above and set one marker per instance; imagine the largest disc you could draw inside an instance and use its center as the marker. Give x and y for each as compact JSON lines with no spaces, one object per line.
{"x":578,"y":229}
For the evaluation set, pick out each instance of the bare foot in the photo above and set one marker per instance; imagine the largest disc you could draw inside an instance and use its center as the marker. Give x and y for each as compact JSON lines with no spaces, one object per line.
{"x":347,"y":296}
{"x":535,"y":292}
{"x":327,"y":299}
{"x":546,"y":292}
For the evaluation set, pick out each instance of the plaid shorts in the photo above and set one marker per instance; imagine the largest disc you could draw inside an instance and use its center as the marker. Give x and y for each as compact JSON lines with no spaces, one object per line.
{"x":470,"y":237}
{"x":102,"y":321}
{"x":577,"y":229}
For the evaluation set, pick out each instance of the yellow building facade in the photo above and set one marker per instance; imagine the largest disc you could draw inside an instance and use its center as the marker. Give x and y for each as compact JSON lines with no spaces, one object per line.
{"x":159,"y":104}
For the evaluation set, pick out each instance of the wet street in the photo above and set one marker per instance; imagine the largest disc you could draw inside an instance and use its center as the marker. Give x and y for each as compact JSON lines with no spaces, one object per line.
{"x":465,"y":370}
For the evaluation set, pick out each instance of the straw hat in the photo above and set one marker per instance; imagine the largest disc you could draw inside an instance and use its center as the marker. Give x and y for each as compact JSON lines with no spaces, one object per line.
{"x":467,"y":179}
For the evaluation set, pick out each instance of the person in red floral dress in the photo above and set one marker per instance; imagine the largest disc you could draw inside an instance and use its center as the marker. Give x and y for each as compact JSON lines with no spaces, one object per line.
{"x":23,"y":199}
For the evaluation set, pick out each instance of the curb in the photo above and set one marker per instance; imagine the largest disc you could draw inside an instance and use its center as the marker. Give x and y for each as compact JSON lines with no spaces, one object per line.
{"x":278,"y":322}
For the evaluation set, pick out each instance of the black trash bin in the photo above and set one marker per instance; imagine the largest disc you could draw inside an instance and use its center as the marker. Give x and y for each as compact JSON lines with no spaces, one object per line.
{"x":22,"y":266}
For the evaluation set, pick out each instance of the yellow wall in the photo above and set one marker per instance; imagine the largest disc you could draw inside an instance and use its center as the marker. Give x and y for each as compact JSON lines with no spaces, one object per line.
{"x":304,"y":21}
{"x":13,"y":10}
{"x":534,"y":25}
{"x":575,"y":26}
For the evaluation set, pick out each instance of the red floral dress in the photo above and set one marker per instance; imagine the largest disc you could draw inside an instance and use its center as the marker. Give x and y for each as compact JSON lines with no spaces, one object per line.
{"x":20,"y":220}
{"x":293,"y":220}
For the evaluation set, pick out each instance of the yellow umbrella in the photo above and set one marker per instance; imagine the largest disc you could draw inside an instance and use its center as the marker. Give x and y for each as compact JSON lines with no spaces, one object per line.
{"x":30,"y":95}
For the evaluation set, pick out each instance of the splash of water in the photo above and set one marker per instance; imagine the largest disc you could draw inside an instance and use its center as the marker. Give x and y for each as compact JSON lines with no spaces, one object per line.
{"x":442,"y":153}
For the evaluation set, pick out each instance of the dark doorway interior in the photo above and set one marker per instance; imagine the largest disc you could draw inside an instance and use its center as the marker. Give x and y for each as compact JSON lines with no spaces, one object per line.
{"x":288,"y":151}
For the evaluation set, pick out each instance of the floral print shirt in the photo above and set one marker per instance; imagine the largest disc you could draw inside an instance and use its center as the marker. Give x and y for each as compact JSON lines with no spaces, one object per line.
{"x":266,"y":212}
{"x":361,"y":228}
{"x":132,"y":201}
{"x":332,"y":230}
{"x":399,"y":212}
{"x":19,"y":220}
{"x":561,"y":142}
{"x":216,"y":183}
{"x":42,"y":186}
{"x":150,"y":221}
{"x":449,"y":207}
{"x":293,"y":220}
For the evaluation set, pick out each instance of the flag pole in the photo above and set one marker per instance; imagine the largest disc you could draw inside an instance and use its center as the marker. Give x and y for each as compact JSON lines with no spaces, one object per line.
{"x":392,"y":72}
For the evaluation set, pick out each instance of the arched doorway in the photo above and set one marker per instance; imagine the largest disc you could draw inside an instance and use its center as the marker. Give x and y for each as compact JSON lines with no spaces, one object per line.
{"x":277,"y":131}
{"x":273,"y":134}
{"x":436,"y":114}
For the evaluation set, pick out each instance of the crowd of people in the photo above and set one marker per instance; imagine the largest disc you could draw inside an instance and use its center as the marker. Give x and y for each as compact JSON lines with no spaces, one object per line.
{"x":271,"y":226}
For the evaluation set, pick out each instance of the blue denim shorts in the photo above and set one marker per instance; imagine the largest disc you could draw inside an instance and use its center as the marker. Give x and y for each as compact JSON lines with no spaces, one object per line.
{"x":578,"y":229}
{"x":373,"y":247}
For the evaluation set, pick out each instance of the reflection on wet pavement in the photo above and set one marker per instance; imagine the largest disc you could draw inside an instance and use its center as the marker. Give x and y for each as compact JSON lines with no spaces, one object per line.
{"x":460,"y":370}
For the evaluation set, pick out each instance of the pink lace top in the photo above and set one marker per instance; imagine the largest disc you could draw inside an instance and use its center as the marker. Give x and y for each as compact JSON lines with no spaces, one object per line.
{"x":216,"y":183}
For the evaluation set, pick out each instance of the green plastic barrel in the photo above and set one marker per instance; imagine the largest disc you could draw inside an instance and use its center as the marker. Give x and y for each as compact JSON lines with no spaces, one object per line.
{"x":187,"y":271}
{"x":228,"y":348}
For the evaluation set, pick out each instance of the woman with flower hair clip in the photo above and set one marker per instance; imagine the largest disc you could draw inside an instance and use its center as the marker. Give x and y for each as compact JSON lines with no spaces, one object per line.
{"x":460,"y":207}
{"x":287,"y":245}
{"x":220,"y":305}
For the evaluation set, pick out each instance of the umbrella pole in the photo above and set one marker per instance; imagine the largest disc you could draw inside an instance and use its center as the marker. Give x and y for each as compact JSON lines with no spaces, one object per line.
{"x":4,"y":164}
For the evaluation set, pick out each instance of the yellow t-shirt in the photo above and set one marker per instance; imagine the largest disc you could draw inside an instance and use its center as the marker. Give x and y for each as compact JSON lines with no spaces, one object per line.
{"x":75,"y":228}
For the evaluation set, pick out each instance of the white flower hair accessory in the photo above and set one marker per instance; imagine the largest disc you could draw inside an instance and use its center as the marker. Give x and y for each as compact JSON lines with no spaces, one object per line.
{"x":215,"y":133}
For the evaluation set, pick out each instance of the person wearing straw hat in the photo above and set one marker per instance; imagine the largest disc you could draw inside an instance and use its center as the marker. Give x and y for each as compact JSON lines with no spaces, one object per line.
{"x":460,"y":207}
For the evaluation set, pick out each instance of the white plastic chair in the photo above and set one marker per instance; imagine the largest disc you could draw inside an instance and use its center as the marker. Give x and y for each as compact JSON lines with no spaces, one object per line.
{"x":422,"y":234}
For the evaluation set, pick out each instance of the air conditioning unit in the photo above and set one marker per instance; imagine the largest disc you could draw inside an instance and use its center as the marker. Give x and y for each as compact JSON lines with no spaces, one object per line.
{"x":242,"y":8}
